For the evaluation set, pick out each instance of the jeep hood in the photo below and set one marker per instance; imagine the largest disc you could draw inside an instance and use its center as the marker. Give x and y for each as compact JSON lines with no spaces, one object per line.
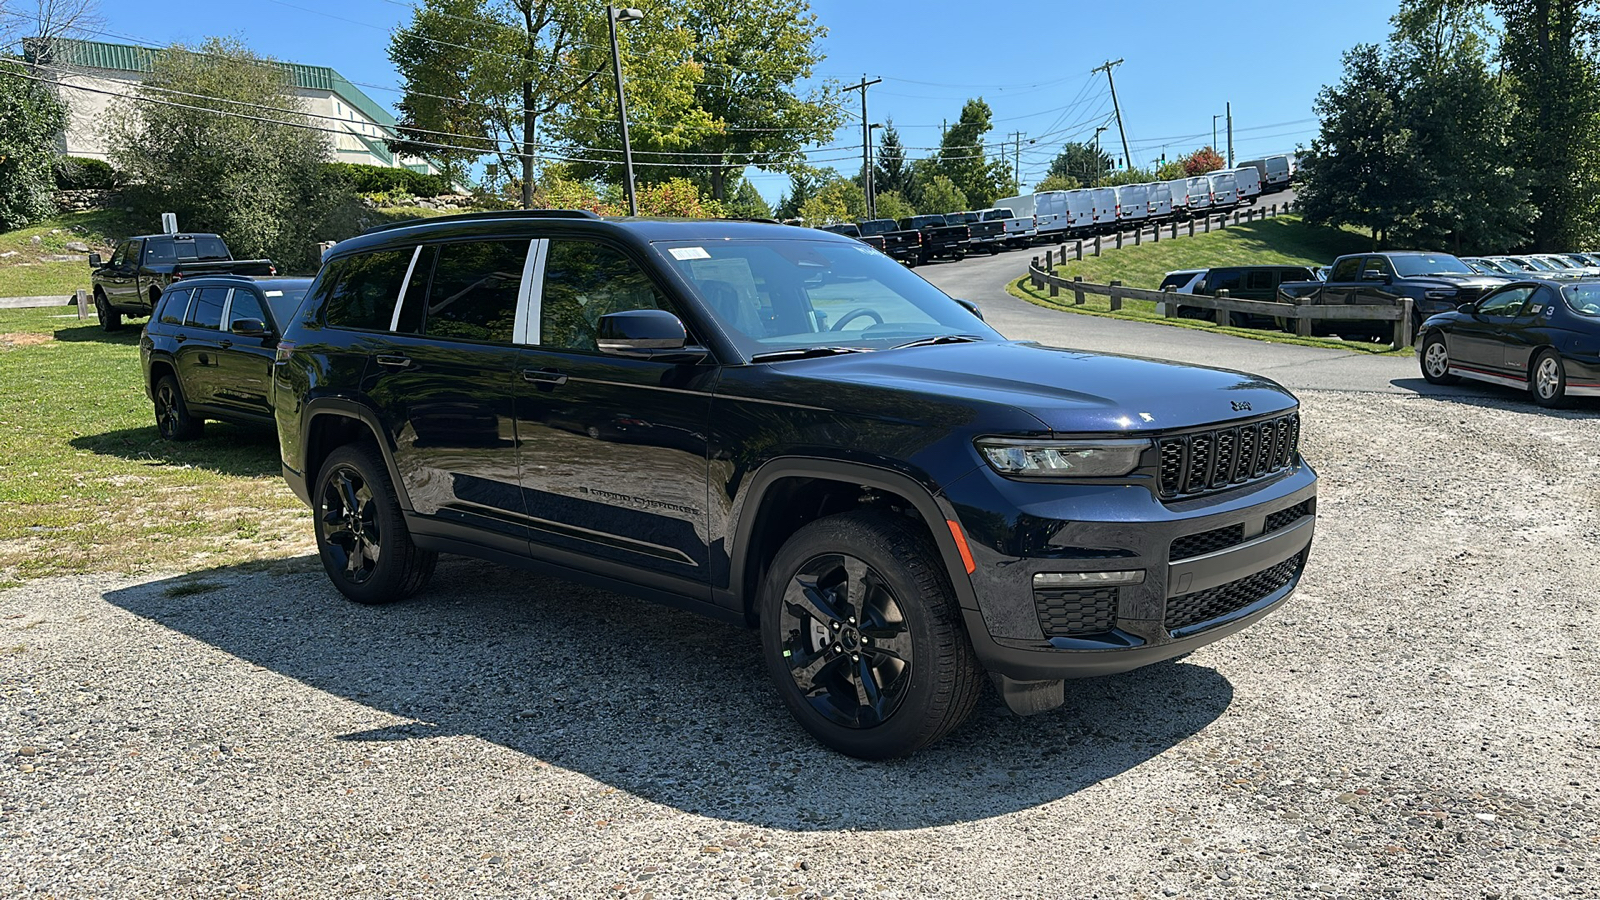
{"x":1068,"y":391}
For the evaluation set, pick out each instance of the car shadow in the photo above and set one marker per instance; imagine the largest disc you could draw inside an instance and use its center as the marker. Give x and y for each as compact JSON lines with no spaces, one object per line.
{"x":225,"y":449}
{"x":664,"y":704}
{"x":91,"y":332}
{"x":1480,"y":393}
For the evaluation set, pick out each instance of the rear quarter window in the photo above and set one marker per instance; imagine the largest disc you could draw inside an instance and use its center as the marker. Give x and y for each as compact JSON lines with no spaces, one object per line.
{"x":360,"y":291}
{"x":173,"y":306}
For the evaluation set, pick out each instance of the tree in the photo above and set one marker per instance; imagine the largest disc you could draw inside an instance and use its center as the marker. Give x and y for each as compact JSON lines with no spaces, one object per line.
{"x":1058,"y":183}
{"x":1549,"y":51}
{"x":940,"y":195}
{"x":1171,"y":171}
{"x":1080,"y":161}
{"x":893,"y":205}
{"x":961,"y":158}
{"x":1126,"y":176}
{"x":30,"y":119}
{"x":734,"y":100}
{"x":804,"y":182}
{"x":891,"y":172}
{"x":747,"y":202}
{"x":259,"y":181}
{"x":1202,"y":161}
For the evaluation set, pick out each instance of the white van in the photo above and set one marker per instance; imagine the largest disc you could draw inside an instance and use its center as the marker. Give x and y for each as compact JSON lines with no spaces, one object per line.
{"x":1133,"y":203}
{"x":1160,"y":200}
{"x":1248,"y":181}
{"x":1103,"y":208}
{"x":1049,"y":212}
{"x":1199,"y":193}
{"x":1224,"y":190}
{"x":1178,"y":190}
{"x":1080,"y":211}
{"x":1277,"y":177}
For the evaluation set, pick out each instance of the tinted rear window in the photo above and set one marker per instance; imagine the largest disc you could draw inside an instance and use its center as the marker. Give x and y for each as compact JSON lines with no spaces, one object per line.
{"x":206,"y":310}
{"x":364,"y":289}
{"x":173,"y":305}
{"x":993,"y":214}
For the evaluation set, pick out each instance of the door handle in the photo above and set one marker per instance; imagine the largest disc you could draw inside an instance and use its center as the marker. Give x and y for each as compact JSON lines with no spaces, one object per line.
{"x":225,"y":344}
{"x":181,"y":338}
{"x":544,"y":376}
{"x":393,"y":361}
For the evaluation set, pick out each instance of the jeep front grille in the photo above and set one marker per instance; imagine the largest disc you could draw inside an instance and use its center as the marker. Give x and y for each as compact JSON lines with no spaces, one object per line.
{"x":1205,"y":461}
{"x":1231,"y":535}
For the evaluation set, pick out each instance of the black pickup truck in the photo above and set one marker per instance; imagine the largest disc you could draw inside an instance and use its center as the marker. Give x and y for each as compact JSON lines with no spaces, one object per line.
{"x":990,"y":235}
{"x":851,"y":230}
{"x":901,"y":245}
{"x":142,"y":267}
{"x":939,"y":237}
{"x":1435,"y":283}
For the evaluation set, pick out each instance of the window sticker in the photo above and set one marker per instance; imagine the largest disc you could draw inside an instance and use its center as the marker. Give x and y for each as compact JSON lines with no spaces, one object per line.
{"x":274,"y":293}
{"x":689,"y":253}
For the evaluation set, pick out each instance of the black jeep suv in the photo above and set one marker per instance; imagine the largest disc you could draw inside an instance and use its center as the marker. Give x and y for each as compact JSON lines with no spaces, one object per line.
{"x":784,"y":428}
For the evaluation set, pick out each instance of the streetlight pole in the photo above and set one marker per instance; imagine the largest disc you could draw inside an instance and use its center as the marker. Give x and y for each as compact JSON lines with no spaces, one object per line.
{"x":613,"y":16}
{"x":1097,"y":151}
{"x":1214,"y":131}
{"x":872,"y":187}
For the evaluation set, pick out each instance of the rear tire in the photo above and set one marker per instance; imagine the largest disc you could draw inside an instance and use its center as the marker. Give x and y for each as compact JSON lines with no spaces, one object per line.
{"x":862,"y":635}
{"x":361,"y":535}
{"x":173,"y":420}
{"x":1547,"y":380}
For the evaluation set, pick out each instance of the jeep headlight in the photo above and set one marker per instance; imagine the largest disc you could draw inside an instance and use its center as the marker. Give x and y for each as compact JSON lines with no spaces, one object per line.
{"x":1046,"y":458}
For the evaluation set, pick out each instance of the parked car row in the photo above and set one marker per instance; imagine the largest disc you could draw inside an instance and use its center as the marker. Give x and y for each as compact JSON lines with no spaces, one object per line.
{"x":1059,"y":215}
{"x":918,"y":239}
{"x":1552,"y":265}
{"x":772,"y":426}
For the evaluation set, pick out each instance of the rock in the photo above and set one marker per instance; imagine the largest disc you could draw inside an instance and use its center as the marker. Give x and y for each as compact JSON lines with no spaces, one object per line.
{"x":36,"y":240}
{"x":77,"y":246}
{"x":27,"y":751}
{"x":7,"y":254}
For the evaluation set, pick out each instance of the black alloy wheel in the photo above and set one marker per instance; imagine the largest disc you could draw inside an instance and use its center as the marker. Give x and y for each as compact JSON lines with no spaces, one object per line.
{"x":1547,"y":380}
{"x":863,"y":638}
{"x":1436,"y":361}
{"x":173,"y":420}
{"x":361,"y":534}
{"x":110,"y":319}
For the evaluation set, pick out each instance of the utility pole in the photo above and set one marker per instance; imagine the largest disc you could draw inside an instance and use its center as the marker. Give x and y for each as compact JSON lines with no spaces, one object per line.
{"x":866,"y":140}
{"x":1214,"y":131}
{"x":1017,"y":156}
{"x":1107,"y":67}
{"x":1230,"y":134}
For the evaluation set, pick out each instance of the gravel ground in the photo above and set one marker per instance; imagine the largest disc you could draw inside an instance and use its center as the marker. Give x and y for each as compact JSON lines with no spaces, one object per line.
{"x":1420,"y":722}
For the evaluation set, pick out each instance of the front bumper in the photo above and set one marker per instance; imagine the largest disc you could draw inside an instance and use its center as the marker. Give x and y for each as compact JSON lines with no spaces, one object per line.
{"x":1210,"y":567}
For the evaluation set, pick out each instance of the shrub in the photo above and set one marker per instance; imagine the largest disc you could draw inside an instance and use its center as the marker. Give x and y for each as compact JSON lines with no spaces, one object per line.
{"x":386,"y":180}
{"x":80,"y":173}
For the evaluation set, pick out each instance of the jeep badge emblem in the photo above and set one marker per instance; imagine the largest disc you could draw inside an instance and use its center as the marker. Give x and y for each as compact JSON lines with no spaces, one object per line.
{"x":1240,"y":405}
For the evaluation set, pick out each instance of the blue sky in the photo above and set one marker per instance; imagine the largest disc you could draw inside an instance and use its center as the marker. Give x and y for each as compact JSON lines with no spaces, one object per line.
{"x":1029,"y":59}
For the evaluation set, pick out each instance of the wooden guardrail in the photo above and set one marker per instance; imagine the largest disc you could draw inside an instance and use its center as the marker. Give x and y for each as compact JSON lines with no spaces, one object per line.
{"x":1169,"y":301}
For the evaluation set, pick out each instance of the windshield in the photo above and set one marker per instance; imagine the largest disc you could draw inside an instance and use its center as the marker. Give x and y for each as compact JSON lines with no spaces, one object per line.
{"x":1584,"y":299}
{"x":1429,"y":264}
{"x":793,"y":294}
{"x":1531,"y":264}
{"x":283,"y":298}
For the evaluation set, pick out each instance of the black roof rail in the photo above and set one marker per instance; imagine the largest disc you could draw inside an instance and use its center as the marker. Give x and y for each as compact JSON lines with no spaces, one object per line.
{"x":492,"y":214}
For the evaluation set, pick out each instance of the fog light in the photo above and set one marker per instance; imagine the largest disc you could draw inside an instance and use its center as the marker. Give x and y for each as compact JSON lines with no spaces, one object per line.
{"x":1083,"y":579}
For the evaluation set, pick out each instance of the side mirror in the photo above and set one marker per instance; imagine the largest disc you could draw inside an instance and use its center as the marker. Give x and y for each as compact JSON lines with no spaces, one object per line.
{"x":250,"y":328}
{"x":970,"y":307}
{"x":94,"y":261}
{"x":646,"y":334}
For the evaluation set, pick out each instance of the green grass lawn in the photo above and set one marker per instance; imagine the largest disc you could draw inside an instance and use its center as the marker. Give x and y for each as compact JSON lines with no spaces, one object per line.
{"x":1280,"y":241}
{"x":25,"y":273}
{"x":86,"y":483}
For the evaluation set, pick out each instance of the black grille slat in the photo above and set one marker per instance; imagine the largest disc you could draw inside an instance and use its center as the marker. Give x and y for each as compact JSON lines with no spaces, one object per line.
{"x":1070,"y":613}
{"x":1285,"y":517}
{"x":1203,"y":606}
{"x":1206,"y":461}
{"x":1206,"y":542}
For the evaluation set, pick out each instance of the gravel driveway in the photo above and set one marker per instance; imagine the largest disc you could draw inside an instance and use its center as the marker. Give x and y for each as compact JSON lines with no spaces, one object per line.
{"x":1420,"y":722}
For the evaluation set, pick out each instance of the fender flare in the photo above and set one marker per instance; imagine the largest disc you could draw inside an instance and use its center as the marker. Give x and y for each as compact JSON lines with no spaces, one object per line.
{"x":935,"y":513}
{"x":352,"y":409}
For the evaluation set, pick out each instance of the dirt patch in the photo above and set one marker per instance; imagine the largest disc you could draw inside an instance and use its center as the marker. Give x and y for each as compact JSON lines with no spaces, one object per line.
{"x":7,"y":341}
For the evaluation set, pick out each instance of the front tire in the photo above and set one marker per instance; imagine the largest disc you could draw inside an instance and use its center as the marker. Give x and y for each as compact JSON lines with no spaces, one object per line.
{"x":361,"y":535}
{"x":1547,"y":380}
{"x":862,"y":635}
{"x":1436,"y":362}
{"x":110,"y":319}
{"x":173,"y":420}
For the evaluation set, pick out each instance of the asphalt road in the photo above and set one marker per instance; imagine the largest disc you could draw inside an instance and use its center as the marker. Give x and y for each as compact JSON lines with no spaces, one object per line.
{"x":983,"y":279}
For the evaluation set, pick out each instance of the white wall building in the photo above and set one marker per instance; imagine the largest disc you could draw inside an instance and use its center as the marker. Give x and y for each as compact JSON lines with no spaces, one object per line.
{"x":88,"y":76}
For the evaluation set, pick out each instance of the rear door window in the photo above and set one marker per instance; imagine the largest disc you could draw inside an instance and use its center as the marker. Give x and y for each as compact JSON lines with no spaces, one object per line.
{"x":206,"y":310}
{"x":1261,"y":280}
{"x":473,"y":295}
{"x":365,"y":288}
{"x":159,"y":251}
{"x":1347,"y":270}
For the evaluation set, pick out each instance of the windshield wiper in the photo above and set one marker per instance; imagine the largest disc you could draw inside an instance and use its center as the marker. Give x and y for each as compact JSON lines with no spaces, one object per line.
{"x":938,"y":339}
{"x":804,"y":353}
